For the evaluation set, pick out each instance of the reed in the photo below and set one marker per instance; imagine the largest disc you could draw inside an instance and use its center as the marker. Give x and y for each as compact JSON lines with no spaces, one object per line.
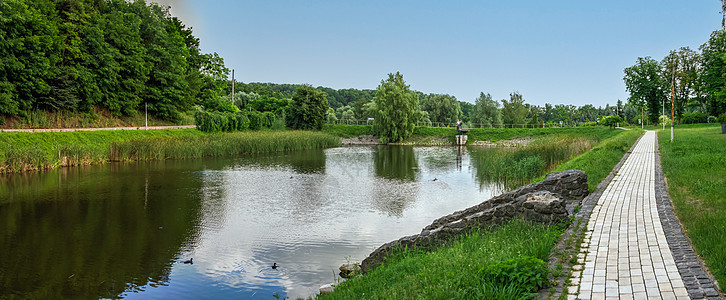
{"x":37,"y":151}
{"x":518,"y":166}
{"x":602,"y":158}
{"x":219,"y":145}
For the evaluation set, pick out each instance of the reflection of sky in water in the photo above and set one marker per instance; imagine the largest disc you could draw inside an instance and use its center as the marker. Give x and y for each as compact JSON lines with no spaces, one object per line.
{"x":310,"y":219}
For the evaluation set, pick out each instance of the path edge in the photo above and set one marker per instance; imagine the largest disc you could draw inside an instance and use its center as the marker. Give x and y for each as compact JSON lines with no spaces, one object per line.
{"x":577,"y":229}
{"x":700,"y":283}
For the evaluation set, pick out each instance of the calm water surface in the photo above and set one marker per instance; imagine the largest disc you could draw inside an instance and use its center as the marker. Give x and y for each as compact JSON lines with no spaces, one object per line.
{"x":122,"y":230}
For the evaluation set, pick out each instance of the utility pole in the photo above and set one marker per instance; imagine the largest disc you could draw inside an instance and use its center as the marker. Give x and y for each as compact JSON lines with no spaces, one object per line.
{"x":232,"y":86}
{"x":673,"y":94}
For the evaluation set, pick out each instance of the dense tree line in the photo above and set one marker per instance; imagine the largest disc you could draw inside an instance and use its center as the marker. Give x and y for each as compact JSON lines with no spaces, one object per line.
{"x":120,"y":55}
{"x":690,"y":83}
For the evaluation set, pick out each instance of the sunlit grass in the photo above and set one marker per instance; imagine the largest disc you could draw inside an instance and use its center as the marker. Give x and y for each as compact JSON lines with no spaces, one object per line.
{"x":695,"y":168}
{"x":454,"y":271}
{"x":21,"y":151}
{"x":602,"y":158}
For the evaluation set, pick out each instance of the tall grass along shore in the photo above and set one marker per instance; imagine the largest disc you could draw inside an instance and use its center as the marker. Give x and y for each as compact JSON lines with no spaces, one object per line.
{"x":503,"y":263}
{"x":694,"y":166}
{"x":20,"y":151}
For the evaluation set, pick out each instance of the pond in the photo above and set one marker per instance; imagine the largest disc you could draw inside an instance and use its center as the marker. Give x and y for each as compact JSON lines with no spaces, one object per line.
{"x":123,"y":230}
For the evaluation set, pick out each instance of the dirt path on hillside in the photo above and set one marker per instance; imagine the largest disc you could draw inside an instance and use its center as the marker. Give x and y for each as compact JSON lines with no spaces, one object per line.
{"x":97,"y":129}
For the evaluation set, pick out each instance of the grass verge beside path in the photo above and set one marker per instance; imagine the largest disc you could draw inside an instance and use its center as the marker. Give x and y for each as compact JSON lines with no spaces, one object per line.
{"x":455,"y":271}
{"x":21,"y":151}
{"x":601,"y":159}
{"x":695,"y":169}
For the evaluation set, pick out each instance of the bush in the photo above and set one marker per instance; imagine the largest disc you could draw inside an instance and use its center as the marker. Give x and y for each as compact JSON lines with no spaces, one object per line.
{"x":721,"y":118}
{"x":694,"y":118}
{"x":255,"y":120}
{"x":611,"y":121}
{"x":221,"y":121}
{"x":590,"y":123}
{"x":528,"y":273}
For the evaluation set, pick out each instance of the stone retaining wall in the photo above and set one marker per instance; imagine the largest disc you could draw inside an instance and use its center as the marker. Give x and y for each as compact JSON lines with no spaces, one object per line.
{"x":549,"y":201}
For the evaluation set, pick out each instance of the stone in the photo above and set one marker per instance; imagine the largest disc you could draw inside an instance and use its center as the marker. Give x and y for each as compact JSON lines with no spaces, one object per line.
{"x":325,"y":289}
{"x":549,"y":201}
{"x":349,"y":270}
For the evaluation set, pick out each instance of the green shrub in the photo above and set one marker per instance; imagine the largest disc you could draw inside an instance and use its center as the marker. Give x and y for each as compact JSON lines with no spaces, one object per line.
{"x":694,"y":118}
{"x":527,"y":273}
{"x":721,"y":118}
{"x":255,"y":120}
{"x":590,"y":123}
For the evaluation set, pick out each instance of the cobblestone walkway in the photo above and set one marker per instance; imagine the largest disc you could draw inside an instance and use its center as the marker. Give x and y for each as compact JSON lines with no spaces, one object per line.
{"x":625,"y":252}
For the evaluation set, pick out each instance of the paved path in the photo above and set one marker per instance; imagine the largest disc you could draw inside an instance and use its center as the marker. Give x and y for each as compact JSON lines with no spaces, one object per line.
{"x":97,"y":129}
{"x":625,"y":252}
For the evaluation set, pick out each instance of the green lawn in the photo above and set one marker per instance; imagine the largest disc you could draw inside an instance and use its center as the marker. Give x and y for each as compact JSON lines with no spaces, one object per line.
{"x":695,"y":169}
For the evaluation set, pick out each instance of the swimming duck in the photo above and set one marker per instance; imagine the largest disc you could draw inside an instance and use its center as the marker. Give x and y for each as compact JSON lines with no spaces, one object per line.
{"x":274,"y":266}
{"x":189,"y":261}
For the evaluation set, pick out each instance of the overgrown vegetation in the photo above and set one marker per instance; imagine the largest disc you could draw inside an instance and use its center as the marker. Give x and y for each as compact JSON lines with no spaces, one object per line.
{"x":602,"y":158}
{"x":461,"y":270}
{"x":694,"y":166}
{"x":21,"y":151}
{"x":518,"y":166}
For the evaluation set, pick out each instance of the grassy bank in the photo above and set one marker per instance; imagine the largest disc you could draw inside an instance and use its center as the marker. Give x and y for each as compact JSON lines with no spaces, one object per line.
{"x":422,"y":134}
{"x":460,"y":270}
{"x":456,"y":271}
{"x":20,"y":151}
{"x":694,"y":165}
{"x":602,"y":158}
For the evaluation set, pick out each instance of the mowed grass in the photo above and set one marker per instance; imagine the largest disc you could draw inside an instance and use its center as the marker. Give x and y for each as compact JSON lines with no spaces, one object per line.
{"x":454,"y":271}
{"x":695,"y":169}
{"x":22,"y":151}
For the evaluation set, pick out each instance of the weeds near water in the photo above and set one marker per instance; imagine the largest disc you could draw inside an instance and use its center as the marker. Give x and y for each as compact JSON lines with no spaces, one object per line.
{"x":453,"y":271}
{"x":219,"y":145}
{"x":36,"y":151}
{"x":517,"y":166}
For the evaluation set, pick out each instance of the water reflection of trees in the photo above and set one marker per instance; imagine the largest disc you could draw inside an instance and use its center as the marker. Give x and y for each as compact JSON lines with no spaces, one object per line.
{"x":396,"y":187}
{"x":94,"y":233}
{"x":395,"y":162}
{"x":301,"y":161}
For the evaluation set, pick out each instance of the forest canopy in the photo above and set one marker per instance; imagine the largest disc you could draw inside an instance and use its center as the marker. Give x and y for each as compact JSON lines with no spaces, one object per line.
{"x":119,"y":55}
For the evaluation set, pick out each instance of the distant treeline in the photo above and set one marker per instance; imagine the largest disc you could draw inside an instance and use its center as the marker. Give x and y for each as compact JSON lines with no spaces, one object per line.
{"x":120,"y":55}
{"x":354,"y":104}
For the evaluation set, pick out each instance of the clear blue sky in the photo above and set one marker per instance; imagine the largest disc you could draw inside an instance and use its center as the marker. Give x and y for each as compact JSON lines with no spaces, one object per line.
{"x":559,"y":52}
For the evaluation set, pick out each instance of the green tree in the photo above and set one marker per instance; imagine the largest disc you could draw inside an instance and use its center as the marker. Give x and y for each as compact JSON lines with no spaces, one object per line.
{"x":514,"y":111}
{"x":714,"y":71}
{"x":441,"y":108}
{"x":307,"y":109}
{"x":486,"y":112}
{"x":396,"y":109}
{"x":681,"y":68}
{"x":28,"y":54}
{"x":646,"y":85}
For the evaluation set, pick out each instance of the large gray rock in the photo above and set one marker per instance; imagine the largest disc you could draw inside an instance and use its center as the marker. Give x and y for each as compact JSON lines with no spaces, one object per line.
{"x":544,"y":202}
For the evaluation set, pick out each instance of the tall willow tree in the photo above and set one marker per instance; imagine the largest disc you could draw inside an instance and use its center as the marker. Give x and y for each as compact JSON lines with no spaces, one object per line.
{"x":396,"y":109}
